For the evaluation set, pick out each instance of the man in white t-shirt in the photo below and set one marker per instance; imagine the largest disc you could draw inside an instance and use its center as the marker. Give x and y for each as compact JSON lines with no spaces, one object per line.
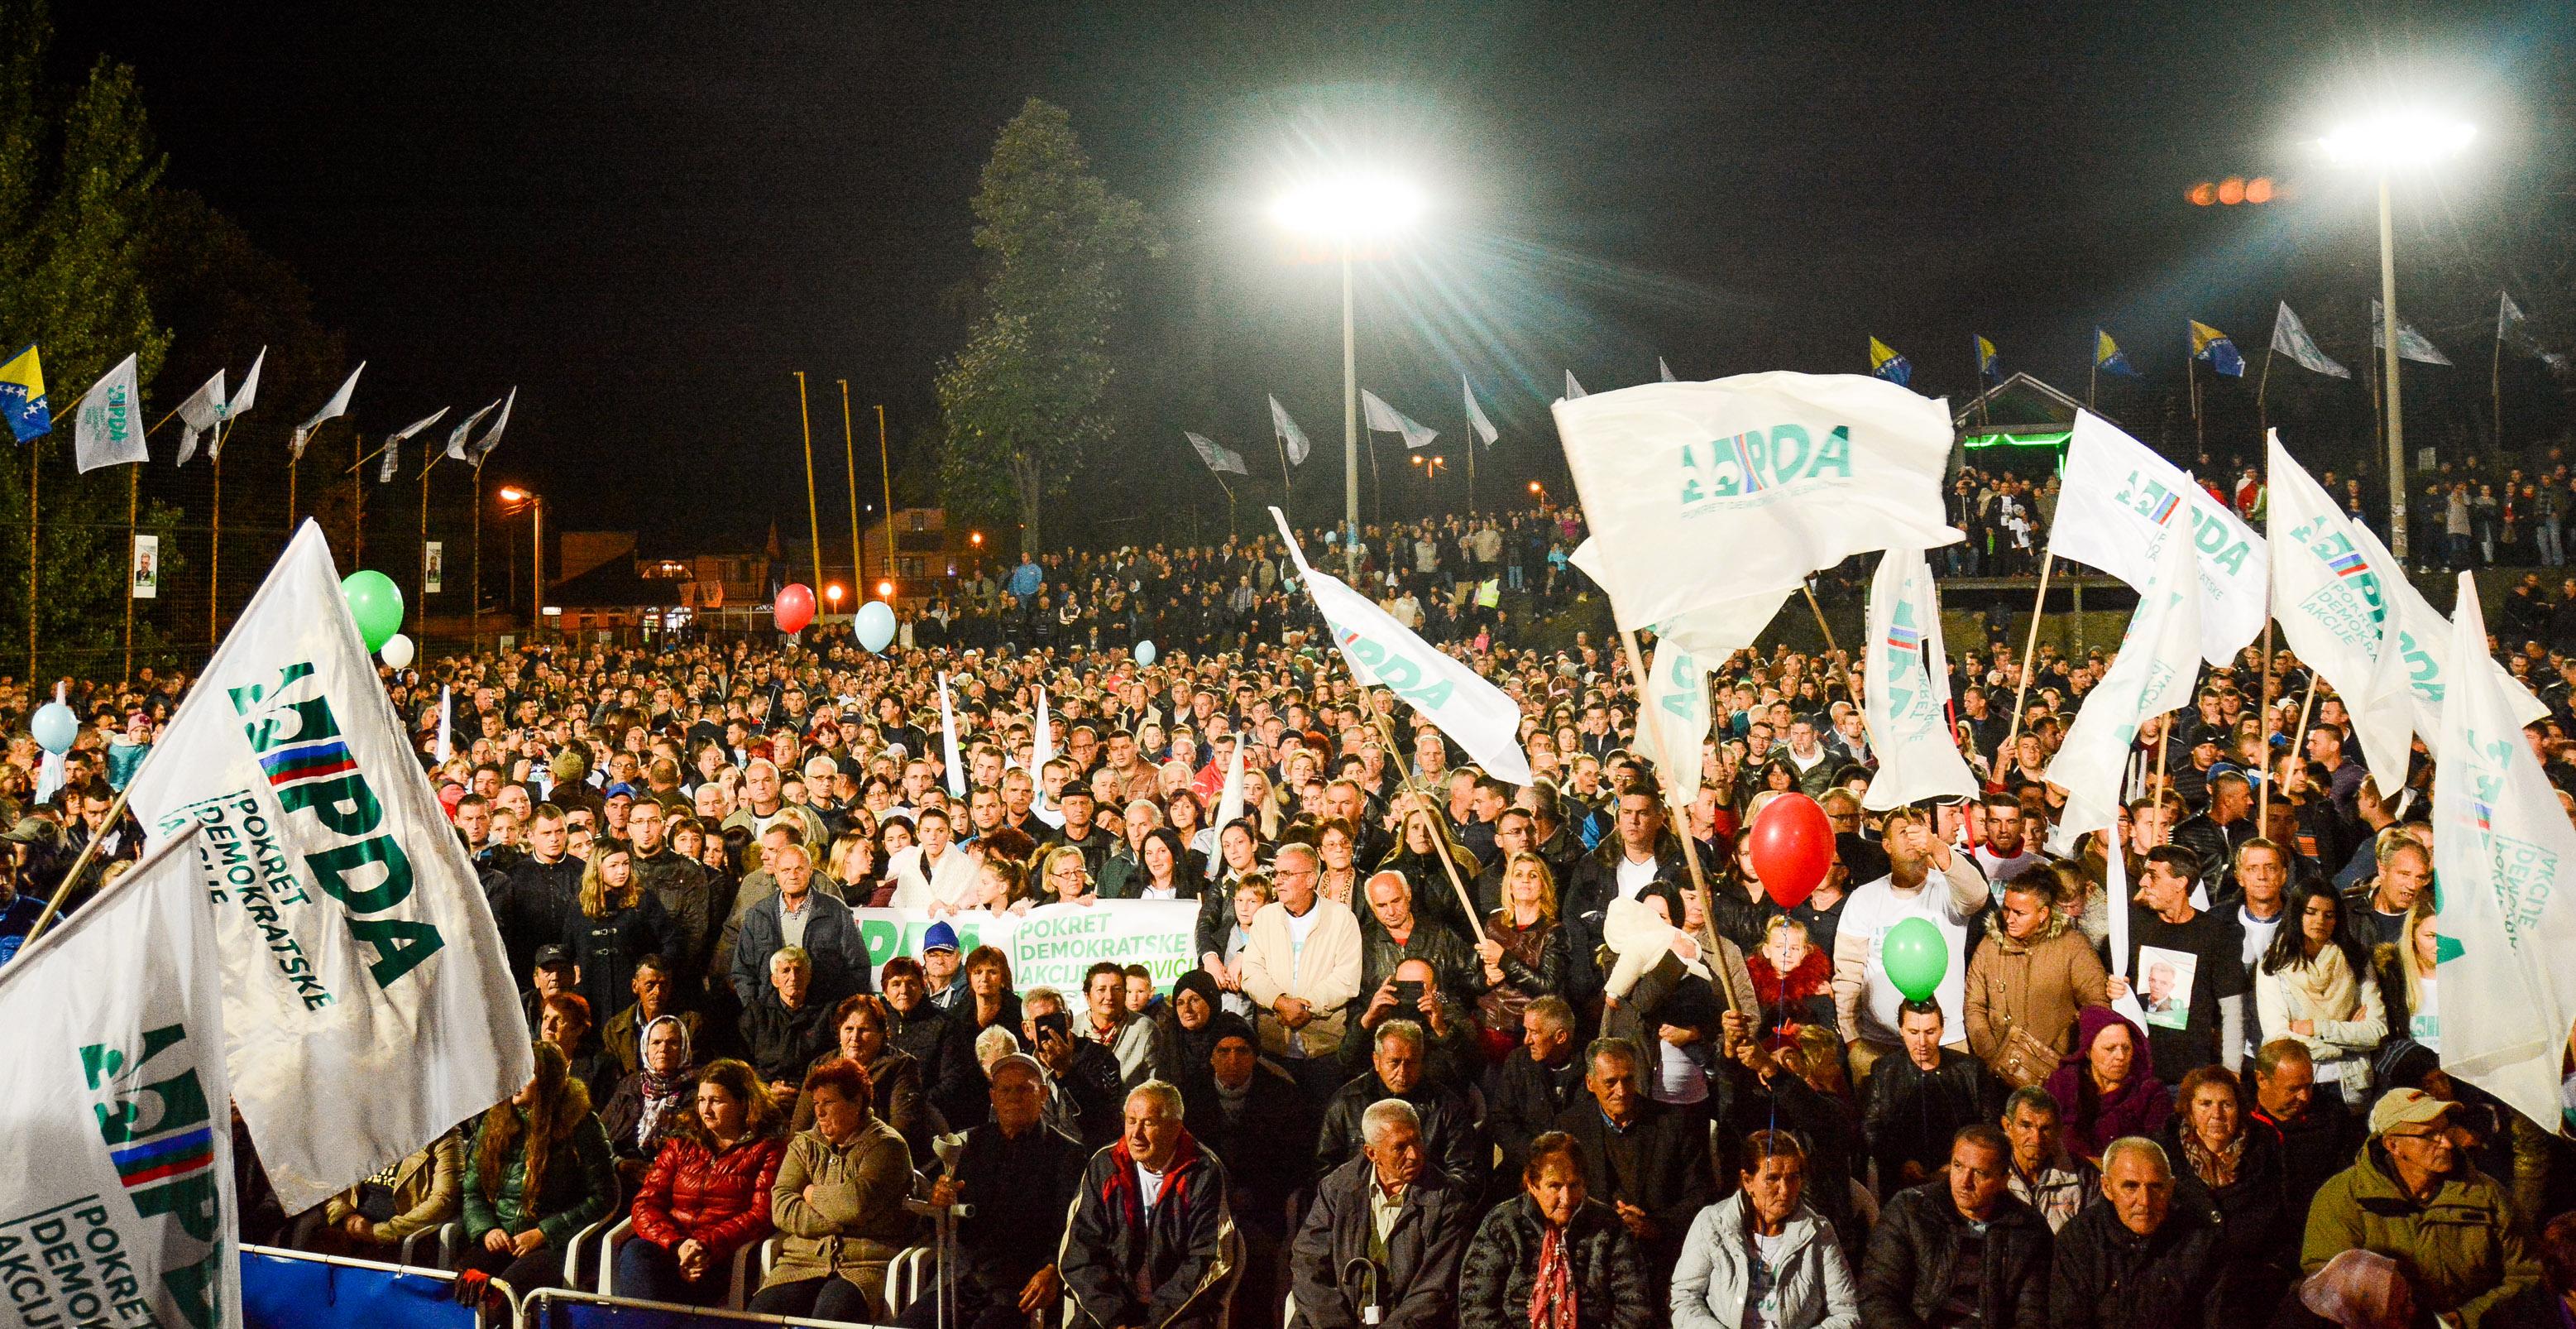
{"x":1925,"y":880}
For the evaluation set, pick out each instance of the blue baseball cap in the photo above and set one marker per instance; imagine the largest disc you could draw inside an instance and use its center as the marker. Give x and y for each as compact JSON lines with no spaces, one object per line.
{"x":939,"y":937}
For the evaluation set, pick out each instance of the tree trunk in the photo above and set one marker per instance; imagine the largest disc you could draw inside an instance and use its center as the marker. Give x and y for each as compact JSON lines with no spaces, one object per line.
{"x":1025,"y":482}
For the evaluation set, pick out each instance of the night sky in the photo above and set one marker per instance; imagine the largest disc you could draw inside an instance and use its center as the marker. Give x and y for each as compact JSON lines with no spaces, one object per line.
{"x":646,"y":215}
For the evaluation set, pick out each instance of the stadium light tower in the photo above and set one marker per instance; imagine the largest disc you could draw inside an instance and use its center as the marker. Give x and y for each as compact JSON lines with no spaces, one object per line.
{"x":1346,"y":211}
{"x":2382,"y":144}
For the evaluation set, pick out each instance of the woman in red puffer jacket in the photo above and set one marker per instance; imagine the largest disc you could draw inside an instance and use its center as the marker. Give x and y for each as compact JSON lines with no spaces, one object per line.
{"x":707,"y":1194}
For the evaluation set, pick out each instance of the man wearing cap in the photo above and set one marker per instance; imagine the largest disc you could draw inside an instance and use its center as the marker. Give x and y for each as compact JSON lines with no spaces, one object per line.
{"x":2413,"y":1197}
{"x":553,"y":975}
{"x":939,"y":967}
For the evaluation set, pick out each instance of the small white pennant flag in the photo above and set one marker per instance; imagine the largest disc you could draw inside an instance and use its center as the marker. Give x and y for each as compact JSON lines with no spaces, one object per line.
{"x":1917,"y":755}
{"x":2411,"y":344}
{"x":1664,"y":371}
{"x":1572,"y":388}
{"x":948,"y":742}
{"x":456,"y":437}
{"x":1385,"y":419}
{"x":446,"y":714}
{"x":1219,"y":459}
{"x":1476,"y":414}
{"x":105,"y":432}
{"x":2290,"y":337}
{"x":2154,"y":673}
{"x":247,"y":395}
{"x":203,"y":410}
{"x":1290,"y":436}
{"x":331,"y":410}
{"x":483,"y":446}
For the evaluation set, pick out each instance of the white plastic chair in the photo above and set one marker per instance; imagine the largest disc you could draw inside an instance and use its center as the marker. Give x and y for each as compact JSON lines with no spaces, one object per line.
{"x":738,"y":1286}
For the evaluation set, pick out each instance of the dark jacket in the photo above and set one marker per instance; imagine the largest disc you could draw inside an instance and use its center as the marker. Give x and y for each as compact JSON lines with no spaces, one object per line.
{"x":1611,"y":1289}
{"x":2259,"y":1232}
{"x":1915,"y":1248}
{"x":577,"y":1190}
{"x":1449,"y":1133}
{"x":1416,"y":1284}
{"x":1523,"y":1099}
{"x":831,"y":937}
{"x":680,"y":886}
{"x":2105,"y":1276}
{"x":606,"y":948}
{"x":941,"y":1042}
{"x":1262,"y":1144}
{"x":1911,"y":1113}
{"x":2315,"y":1145}
{"x":533,"y":906}
{"x":1162,"y":1268}
{"x":1659,"y":1164}
{"x":1020,"y":1189}
{"x":780,"y":1043}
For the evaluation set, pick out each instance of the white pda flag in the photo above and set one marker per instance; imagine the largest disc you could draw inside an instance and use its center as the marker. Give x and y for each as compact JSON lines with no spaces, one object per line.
{"x":1673,"y":715}
{"x":2337,"y":612}
{"x":948,"y":743}
{"x":2502,"y":850}
{"x":331,"y":410}
{"x":115,"y":1110}
{"x":1476,"y":414}
{"x":1384,"y":653}
{"x":1713,"y":631}
{"x":1918,"y":757}
{"x":484,"y":445}
{"x":1292,"y":440}
{"x":2411,"y":345}
{"x":360,"y":957}
{"x":2158,"y":664}
{"x":247,"y":395}
{"x":394,"y":441}
{"x":2422,"y":674}
{"x":203,"y":410}
{"x":1385,"y":419}
{"x":456,"y":437}
{"x":1219,"y":459}
{"x":105,"y":431}
{"x":1229,"y":802}
{"x":1784,"y":472}
{"x":2118,"y":503}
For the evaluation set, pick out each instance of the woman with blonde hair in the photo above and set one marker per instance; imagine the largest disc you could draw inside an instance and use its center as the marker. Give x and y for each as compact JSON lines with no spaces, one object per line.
{"x":1525,"y":952}
{"x":2406,"y":988}
{"x":539,"y":1171}
{"x":619,"y":924}
{"x":1062,"y":876}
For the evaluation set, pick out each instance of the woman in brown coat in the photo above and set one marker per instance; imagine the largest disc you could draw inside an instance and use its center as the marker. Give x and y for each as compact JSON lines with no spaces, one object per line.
{"x":2026,"y":984}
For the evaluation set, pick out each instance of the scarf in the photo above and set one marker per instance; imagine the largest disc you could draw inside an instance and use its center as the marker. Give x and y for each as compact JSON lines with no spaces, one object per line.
{"x":2215,"y":1167}
{"x":661,"y":1093}
{"x":2326,"y":984}
{"x":1552,"y":1301}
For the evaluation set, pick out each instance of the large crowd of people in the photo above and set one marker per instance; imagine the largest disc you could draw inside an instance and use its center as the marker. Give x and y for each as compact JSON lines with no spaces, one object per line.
{"x":1453,"y":1050}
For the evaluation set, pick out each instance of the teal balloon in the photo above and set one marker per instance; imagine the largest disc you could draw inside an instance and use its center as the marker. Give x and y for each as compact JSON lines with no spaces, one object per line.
{"x":1916,"y":958}
{"x":875,"y":625}
{"x":55,"y":727}
{"x":376,"y":603}
{"x":1144,"y":652}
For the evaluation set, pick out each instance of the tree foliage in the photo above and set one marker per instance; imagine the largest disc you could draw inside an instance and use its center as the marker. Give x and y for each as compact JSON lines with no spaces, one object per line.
{"x":1026,"y":398}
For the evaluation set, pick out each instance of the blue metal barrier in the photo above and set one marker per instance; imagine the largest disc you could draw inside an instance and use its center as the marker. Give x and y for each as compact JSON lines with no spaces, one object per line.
{"x":283,"y":1289}
{"x":555,"y":1308}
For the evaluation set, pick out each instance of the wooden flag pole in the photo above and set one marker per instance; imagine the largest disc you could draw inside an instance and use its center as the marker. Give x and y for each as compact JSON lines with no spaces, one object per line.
{"x":813,"y":514}
{"x":885,"y":471}
{"x":474,"y":594}
{"x":133,"y":507}
{"x":215,"y":547}
{"x":358,"y":500}
{"x":1407,"y":786}
{"x":850,"y":466}
{"x":2495,"y":378}
{"x":35,"y":453}
{"x":420,"y":602}
{"x":2191,"y":372}
{"x":1717,"y":967}
{"x":2262,"y":420}
{"x":2263,"y":792}
{"x":1817,"y":609}
{"x":2029,"y":655}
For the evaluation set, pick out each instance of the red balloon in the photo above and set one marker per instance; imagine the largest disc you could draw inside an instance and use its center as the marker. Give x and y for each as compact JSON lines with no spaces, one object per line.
{"x":795,"y":607}
{"x":1793,"y":846}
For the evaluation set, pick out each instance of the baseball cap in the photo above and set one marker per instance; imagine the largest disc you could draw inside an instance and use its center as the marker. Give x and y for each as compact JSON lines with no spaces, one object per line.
{"x":553,"y":953}
{"x":939,"y":937}
{"x":2405,"y":1107}
{"x":617,"y":788}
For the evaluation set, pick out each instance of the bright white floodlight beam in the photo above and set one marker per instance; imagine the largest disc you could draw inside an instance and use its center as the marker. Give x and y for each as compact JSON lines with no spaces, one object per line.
{"x":1359,"y":205}
{"x":2405,"y":138}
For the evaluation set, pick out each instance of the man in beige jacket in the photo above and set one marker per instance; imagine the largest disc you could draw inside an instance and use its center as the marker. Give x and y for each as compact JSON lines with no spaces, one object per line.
{"x":1302,"y":968}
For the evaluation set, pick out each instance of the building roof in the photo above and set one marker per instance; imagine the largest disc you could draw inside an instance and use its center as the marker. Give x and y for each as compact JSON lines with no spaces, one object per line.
{"x":2019,"y":404}
{"x":615,"y":585}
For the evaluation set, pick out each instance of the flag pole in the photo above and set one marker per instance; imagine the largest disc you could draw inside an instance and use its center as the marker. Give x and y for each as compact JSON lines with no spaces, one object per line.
{"x":420,"y":603}
{"x":1406,"y":785}
{"x":1690,"y":845}
{"x":2263,"y":799}
{"x":474,"y":594}
{"x":35,"y":453}
{"x":215,"y":545}
{"x":850,"y":466}
{"x":885,"y":469}
{"x":358,"y":500}
{"x":2191,"y":373}
{"x":2263,"y":421}
{"x":2029,"y":652}
{"x":133,"y":505}
{"x":2495,"y":376}
{"x":813,"y":514}
{"x":1471,"y":472}
{"x":88,"y":851}
{"x":1287,"y":486}
{"x":2093,"y":377}
{"x":1819,"y":612}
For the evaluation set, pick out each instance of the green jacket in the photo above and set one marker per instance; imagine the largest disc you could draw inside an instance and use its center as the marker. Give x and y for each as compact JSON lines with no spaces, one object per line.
{"x":2458,"y":1250}
{"x":577,"y":1192}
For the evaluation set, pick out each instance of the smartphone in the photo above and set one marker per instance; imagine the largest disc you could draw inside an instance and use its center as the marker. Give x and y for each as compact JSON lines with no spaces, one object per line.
{"x":1055,"y":1022}
{"x":1408,"y":994}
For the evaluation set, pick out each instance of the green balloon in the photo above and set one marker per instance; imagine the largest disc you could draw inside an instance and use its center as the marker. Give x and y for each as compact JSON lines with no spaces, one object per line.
{"x":1915,"y":957}
{"x":377,"y":604}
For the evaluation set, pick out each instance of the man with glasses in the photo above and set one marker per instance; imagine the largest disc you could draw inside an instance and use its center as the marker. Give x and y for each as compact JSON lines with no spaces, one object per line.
{"x":1302,"y":968}
{"x":2412,"y":1196}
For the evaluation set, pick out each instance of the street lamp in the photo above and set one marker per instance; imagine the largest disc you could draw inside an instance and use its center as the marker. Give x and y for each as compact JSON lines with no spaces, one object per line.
{"x":1430,"y":467}
{"x":2382,"y":144}
{"x":514,"y":498}
{"x":885,"y":590}
{"x":1347,"y":210}
{"x":833,"y":593}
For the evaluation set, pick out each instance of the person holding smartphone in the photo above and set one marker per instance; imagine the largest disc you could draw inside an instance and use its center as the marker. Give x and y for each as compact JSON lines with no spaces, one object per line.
{"x":1083,"y":1086}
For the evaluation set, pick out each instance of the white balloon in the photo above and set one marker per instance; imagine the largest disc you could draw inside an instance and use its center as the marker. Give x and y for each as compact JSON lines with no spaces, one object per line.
{"x":1144,"y":652}
{"x":875,"y":624}
{"x":397,"y":651}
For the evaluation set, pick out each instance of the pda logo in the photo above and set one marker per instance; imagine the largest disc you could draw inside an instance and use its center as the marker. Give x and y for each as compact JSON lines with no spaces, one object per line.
{"x":1757,"y":462}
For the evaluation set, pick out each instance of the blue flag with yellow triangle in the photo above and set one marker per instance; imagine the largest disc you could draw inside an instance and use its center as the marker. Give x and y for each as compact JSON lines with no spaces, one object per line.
{"x":2107,"y":356}
{"x":1885,"y":363}
{"x":1989,"y":365}
{"x":22,"y":396}
{"x":2208,"y":343}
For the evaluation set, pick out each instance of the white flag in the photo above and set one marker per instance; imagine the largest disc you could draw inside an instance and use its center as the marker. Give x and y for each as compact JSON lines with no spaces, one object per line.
{"x":393,"y":444}
{"x":331,"y":410}
{"x":1673,"y":716}
{"x":1918,"y":756}
{"x":2115,"y":892}
{"x":1291,"y":438}
{"x":1383,"y":653}
{"x":456,"y":437}
{"x":1784,"y":473}
{"x":417,"y":425}
{"x":202,"y":411}
{"x":1229,"y":803}
{"x":2159,"y":661}
{"x":1572,"y":388}
{"x":1044,"y":752}
{"x":1664,"y":371}
{"x":948,"y":742}
{"x":2290,"y":337}
{"x":2422,"y":672}
{"x":368,"y":1002}
{"x":446,"y":712}
{"x":2502,"y":853}
{"x":1713,"y":631}
{"x":483,"y":446}
{"x":2118,"y":501}
{"x":1218,"y":459}
{"x":1476,"y":414}
{"x":2335,"y":610}
{"x":2411,"y":344}
{"x":105,"y":432}
{"x":247,"y":395}
{"x":119,"y":1168}
{"x":1385,"y":419}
